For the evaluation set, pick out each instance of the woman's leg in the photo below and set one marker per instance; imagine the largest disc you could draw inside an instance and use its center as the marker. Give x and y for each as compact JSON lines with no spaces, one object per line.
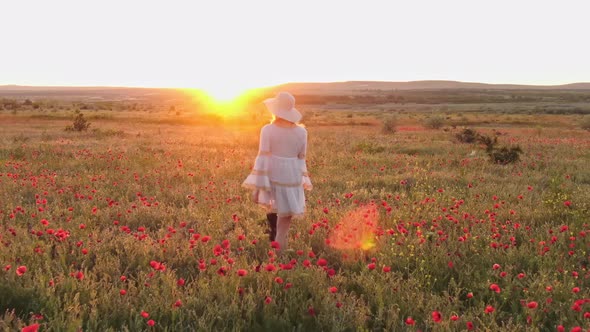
{"x":272,"y":224}
{"x":283,"y":225}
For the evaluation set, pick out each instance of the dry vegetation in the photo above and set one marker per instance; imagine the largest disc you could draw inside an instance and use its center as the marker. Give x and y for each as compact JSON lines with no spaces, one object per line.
{"x":141,"y":221}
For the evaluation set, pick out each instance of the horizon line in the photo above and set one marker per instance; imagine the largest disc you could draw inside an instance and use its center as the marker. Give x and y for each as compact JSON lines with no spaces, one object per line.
{"x":280,"y":84}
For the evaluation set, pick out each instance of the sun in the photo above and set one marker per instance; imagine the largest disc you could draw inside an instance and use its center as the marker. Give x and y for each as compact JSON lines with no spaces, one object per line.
{"x":224,"y":92}
{"x":225,"y":99}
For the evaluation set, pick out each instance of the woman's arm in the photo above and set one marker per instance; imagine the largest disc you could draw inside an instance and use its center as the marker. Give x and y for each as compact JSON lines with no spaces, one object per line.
{"x":264,"y":146}
{"x":303,"y":150}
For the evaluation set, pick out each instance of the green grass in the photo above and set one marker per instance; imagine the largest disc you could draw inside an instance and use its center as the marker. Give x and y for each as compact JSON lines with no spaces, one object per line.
{"x":126,"y":195}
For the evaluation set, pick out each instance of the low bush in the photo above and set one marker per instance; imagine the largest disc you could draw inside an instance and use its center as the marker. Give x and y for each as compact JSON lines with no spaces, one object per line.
{"x":434,"y":122}
{"x":79,"y":124}
{"x":467,"y":136}
{"x":389,"y":126}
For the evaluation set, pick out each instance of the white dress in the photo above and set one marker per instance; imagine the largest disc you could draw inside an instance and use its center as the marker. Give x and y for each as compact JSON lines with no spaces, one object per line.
{"x":280,"y":173}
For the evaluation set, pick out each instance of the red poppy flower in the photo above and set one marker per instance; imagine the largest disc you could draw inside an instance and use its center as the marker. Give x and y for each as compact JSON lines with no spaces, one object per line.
{"x":21,"y":270}
{"x":333,"y":290}
{"x":151,"y":322}
{"x":495,"y":288}
{"x":242,"y":272}
{"x":30,"y":328}
{"x":410,"y":321}
{"x":436,"y":317}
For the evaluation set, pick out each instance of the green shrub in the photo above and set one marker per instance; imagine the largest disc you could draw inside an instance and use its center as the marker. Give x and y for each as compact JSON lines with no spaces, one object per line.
{"x":467,"y":136}
{"x":499,"y":155}
{"x":389,"y":126}
{"x":79,"y":124}
{"x":506,"y":155}
{"x":434,"y":122}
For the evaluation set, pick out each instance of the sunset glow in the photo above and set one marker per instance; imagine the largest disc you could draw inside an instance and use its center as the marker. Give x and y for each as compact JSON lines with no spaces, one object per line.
{"x":225,"y":47}
{"x":356,"y":230}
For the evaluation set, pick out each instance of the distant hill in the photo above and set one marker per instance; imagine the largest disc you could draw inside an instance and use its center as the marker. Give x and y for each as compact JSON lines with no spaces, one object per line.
{"x":334,"y":88}
{"x":420,"y":85}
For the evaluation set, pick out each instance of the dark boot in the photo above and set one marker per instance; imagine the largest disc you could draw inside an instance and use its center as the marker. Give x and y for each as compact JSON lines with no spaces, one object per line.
{"x":272,"y":224}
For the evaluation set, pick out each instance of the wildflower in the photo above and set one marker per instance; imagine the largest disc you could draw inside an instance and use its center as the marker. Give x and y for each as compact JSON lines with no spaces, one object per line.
{"x":489,"y":309}
{"x":242,"y":272}
{"x":333,"y":290}
{"x":21,"y":270}
{"x":495,"y":288}
{"x":532,"y":305}
{"x":410,"y":321}
{"x":30,"y":328}
{"x":436,"y":317}
{"x":151,"y":322}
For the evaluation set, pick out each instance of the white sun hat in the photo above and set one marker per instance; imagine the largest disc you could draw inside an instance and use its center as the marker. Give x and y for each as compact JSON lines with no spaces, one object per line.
{"x":283,"y":106}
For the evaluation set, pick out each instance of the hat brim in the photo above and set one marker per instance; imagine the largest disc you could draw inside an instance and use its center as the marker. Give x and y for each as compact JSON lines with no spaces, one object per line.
{"x":291,"y":115}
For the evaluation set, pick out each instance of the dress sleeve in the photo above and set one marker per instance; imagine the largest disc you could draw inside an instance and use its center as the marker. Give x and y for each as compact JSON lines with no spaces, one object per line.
{"x":301,"y":156}
{"x":264,"y":146}
{"x":258,"y":179}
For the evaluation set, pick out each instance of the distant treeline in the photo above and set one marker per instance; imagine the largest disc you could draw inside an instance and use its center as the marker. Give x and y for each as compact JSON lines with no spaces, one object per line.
{"x":446,"y":97}
{"x":178,"y":101}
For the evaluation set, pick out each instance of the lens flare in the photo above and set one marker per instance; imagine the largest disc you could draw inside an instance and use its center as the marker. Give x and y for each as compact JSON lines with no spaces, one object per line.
{"x":356,"y":230}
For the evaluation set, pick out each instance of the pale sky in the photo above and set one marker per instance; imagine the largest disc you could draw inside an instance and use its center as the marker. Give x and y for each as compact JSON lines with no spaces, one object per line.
{"x":226,"y":45}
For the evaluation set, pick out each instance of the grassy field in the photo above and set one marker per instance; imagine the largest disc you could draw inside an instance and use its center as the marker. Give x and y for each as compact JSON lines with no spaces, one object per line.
{"x":140,"y":223}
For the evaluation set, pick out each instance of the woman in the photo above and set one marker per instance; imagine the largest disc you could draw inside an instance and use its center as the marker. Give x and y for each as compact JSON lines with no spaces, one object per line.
{"x":280,"y":173}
